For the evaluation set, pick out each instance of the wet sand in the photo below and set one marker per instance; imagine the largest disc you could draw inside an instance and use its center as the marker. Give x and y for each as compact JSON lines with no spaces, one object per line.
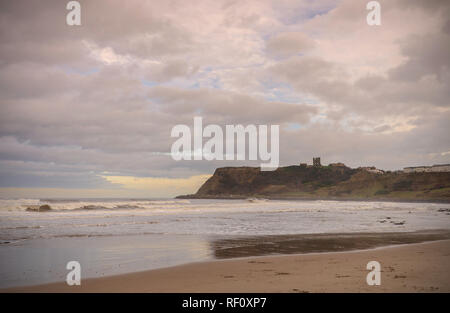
{"x":309,"y":243}
{"x":413,"y":267}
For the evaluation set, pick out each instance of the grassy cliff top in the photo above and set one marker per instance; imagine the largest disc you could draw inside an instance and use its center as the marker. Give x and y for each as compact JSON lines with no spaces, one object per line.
{"x":324,"y":182}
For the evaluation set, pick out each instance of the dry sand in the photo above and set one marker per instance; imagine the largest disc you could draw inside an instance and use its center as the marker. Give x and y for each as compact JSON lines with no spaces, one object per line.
{"x":422,"y":267}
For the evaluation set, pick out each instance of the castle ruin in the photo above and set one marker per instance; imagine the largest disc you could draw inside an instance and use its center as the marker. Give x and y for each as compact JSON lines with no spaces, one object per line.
{"x":316,"y":162}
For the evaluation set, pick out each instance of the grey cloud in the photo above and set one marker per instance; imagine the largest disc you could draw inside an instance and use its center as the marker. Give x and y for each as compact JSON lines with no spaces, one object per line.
{"x":427,"y":55}
{"x":103,"y":97}
{"x":360,"y":149}
{"x":414,"y":86}
{"x":288,"y":44}
{"x":224,"y":107}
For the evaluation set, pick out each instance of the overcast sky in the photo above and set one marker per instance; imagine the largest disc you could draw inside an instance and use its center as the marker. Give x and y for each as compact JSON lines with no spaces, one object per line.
{"x":87,"y":111}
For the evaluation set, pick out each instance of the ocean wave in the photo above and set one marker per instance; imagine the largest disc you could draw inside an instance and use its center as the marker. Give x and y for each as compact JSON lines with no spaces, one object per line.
{"x":213,"y":217}
{"x":99,"y":235}
{"x":58,"y":205}
{"x":21,"y":227}
{"x":76,"y":235}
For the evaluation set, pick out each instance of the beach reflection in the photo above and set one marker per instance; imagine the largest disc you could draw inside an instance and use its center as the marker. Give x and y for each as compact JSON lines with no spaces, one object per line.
{"x":313,"y":243}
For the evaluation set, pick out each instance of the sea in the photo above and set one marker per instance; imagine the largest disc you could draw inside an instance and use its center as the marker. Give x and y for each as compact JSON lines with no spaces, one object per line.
{"x":115,"y":236}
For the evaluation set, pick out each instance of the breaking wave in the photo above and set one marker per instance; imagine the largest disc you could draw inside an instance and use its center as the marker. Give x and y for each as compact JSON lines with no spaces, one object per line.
{"x":58,"y":205}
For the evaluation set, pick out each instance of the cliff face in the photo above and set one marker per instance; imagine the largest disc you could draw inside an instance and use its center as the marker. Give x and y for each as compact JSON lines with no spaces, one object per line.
{"x":325,"y":182}
{"x":246,"y":181}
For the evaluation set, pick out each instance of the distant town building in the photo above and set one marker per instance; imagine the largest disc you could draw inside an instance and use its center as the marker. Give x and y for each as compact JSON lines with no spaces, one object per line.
{"x":303,"y":165}
{"x":339,"y":164}
{"x":440,"y":168}
{"x":316,"y":162}
{"x":372,"y":169}
{"x":416,"y":169}
{"x":427,"y":169}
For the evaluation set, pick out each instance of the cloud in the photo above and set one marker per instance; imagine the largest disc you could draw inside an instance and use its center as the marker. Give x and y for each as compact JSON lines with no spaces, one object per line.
{"x":81,"y":104}
{"x":289,"y":43}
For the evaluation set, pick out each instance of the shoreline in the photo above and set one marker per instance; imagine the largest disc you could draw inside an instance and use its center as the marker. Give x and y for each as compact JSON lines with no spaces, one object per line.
{"x":420,"y":267}
{"x":268,"y":197}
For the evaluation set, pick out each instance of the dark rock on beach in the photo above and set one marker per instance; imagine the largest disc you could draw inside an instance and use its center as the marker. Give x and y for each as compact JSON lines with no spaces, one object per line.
{"x":42,"y":208}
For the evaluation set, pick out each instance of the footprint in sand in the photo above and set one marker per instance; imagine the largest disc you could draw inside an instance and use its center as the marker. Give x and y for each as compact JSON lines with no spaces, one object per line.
{"x":342,"y":276}
{"x":399,"y":276}
{"x":301,"y":291}
{"x":282,"y":273}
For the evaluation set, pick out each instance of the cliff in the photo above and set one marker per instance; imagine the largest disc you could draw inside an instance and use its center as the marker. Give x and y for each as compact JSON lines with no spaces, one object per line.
{"x":324,"y":182}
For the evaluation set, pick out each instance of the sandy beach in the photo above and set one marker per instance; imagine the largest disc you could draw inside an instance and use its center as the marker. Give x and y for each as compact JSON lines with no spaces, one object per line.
{"x":420,"y":267}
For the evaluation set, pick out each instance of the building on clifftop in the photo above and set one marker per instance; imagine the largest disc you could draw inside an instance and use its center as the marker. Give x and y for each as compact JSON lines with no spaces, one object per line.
{"x":316,"y":162}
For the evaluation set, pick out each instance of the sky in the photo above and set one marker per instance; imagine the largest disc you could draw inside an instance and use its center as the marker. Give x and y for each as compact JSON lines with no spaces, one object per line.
{"x":87,"y":111}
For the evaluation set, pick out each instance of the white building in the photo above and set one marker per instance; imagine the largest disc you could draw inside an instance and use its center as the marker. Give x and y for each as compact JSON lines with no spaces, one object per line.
{"x":376,"y":171}
{"x":372,"y":169}
{"x":423,"y":169}
{"x":440,"y":168}
{"x":416,"y":169}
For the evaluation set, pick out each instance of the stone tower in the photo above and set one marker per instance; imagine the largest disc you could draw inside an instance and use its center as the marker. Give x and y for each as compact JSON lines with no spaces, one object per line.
{"x":316,"y":162}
